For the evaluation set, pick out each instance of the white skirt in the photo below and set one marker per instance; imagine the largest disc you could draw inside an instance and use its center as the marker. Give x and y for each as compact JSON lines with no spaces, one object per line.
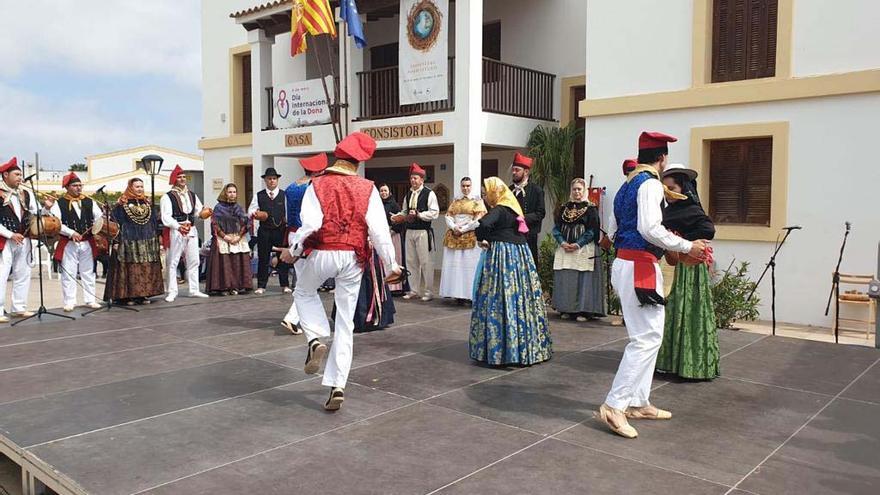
{"x":459,"y":268}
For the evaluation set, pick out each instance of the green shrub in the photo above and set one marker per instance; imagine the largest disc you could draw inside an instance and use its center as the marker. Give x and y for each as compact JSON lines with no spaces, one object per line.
{"x":546,"y":252}
{"x":730,"y":294}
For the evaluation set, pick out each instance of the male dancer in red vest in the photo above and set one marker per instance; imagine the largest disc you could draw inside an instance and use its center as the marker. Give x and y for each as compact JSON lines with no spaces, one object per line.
{"x":76,"y":250}
{"x":340,"y":211}
{"x":17,"y":205}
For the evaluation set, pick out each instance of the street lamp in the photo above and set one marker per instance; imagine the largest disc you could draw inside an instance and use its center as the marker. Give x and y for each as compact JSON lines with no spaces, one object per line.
{"x":152,"y":164}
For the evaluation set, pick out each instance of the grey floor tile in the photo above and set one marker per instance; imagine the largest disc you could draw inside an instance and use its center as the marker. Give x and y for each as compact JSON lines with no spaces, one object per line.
{"x":729,"y":341}
{"x":801,"y":364}
{"x":219,"y":325}
{"x":40,"y":420}
{"x":412,"y":450}
{"x":45,"y":379}
{"x":74,"y":347}
{"x":836,"y":453}
{"x":720,"y":430}
{"x":141,"y":455}
{"x":546,"y":399}
{"x":20,"y":334}
{"x":553,"y":466}
{"x":867,"y":387}
{"x":255,"y":341}
{"x":423,"y":375}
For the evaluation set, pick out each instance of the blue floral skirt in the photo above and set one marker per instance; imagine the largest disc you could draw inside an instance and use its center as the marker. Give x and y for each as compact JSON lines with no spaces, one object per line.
{"x":509,"y":320}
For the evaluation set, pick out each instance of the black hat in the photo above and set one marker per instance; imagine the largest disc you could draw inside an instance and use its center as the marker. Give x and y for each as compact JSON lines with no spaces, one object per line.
{"x":270,"y":172}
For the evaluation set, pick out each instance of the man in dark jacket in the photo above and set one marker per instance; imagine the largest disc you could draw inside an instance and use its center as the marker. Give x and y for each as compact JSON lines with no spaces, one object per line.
{"x":530,"y":198}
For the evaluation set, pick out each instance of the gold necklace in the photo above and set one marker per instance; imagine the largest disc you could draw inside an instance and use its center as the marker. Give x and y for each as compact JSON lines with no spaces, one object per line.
{"x":571,"y":214}
{"x":138,"y":213}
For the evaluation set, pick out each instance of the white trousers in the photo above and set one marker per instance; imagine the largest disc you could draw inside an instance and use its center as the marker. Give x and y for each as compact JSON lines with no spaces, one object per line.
{"x":77,"y":258}
{"x":644,"y":325}
{"x":16,"y":263}
{"x":182,"y":246}
{"x":318,"y":267}
{"x":419,"y":262}
{"x":292,"y":315}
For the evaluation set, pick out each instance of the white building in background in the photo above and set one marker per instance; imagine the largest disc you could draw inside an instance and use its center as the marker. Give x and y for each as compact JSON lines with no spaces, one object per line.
{"x":113,"y":170}
{"x":514,"y":65}
{"x":783,"y":131}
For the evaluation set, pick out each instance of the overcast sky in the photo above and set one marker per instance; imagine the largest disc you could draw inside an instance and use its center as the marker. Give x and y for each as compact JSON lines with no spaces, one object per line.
{"x":82,"y":77}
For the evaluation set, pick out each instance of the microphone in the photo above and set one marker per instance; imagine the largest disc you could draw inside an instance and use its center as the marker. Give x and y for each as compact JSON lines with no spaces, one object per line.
{"x":793,"y":227}
{"x":101,"y":189}
{"x":848,"y":226}
{"x":29,"y":177}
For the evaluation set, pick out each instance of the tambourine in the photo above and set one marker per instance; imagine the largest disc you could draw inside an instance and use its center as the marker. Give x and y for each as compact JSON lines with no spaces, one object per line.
{"x":51,"y":225}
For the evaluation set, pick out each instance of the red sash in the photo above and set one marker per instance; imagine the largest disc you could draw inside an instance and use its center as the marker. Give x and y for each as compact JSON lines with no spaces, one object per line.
{"x":62,"y":243}
{"x":644,"y":275}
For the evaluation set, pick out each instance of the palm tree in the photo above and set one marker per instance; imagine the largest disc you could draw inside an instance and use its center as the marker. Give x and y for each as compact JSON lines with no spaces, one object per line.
{"x":552,"y":148}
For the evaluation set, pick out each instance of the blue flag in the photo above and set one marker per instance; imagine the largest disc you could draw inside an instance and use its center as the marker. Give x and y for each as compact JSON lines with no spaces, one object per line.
{"x":348,"y":12}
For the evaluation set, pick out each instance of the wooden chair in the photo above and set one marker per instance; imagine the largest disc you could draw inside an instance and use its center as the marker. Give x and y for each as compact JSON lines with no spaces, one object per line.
{"x":861,"y":300}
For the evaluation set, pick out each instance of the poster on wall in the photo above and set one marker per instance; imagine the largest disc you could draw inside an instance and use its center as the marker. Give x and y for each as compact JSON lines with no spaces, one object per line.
{"x":301,"y":103}
{"x":424,"y":47}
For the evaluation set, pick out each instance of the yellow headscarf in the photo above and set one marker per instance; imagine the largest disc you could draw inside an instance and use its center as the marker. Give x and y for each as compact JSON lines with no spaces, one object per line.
{"x":497,"y":193}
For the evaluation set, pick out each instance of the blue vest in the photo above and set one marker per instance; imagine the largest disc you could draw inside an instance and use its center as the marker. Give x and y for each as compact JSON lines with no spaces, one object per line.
{"x":626,"y":212}
{"x":295,"y":194}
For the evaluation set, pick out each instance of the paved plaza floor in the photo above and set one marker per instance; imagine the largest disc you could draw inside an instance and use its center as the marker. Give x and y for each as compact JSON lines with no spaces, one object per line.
{"x":209,"y":396}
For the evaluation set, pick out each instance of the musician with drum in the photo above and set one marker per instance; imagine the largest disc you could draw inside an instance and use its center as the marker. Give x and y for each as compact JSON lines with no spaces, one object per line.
{"x":76,"y":250}
{"x":14,"y":243}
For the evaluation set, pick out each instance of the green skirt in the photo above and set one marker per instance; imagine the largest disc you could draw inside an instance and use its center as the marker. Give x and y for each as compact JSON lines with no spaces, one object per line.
{"x":690,"y":338}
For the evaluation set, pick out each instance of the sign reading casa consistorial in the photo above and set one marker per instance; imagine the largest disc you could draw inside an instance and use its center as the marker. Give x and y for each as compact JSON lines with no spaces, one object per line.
{"x":405,"y":131}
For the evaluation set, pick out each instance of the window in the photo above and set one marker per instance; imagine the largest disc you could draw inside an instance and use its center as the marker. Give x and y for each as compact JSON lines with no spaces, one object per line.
{"x":492,"y":40}
{"x":488,"y":168}
{"x":579,"y":93}
{"x":246,"y":114}
{"x":744,"y":39}
{"x":740,"y":181}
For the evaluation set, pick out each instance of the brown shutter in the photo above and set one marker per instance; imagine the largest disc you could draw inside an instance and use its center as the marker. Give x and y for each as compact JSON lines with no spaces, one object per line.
{"x":740,"y":179}
{"x":758,"y":181}
{"x":246,"y":114}
{"x":743,"y":39}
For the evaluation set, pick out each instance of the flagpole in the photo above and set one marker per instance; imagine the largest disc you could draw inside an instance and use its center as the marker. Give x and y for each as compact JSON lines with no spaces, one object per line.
{"x":344,"y":42}
{"x":335,"y":86}
{"x":326,"y":93}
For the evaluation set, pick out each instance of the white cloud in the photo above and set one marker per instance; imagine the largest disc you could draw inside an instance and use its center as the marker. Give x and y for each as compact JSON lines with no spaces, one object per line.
{"x":73,"y":129}
{"x":103,"y":37}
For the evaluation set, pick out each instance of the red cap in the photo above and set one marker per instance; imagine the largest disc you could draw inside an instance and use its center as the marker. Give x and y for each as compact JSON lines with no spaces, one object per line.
{"x":629,"y":165}
{"x":356,"y":146}
{"x":314,"y":164}
{"x":11,"y":164}
{"x":415,"y":169}
{"x":523,"y":161}
{"x":649,"y":140}
{"x":174,"y":174}
{"x":69,"y":178}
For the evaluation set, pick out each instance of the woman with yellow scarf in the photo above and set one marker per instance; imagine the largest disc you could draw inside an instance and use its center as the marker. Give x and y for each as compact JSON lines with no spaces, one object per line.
{"x":509,"y":319}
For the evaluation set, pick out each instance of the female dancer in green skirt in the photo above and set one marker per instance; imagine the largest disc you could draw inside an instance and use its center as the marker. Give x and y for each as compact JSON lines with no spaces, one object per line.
{"x":690,"y":338}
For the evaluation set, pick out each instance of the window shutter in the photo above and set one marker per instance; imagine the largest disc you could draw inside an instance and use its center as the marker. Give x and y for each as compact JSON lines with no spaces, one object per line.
{"x":246,"y":114}
{"x":740,"y":180}
{"x":743,"y":39}
{"x":758,"y":182}
{"x":725,"y":181}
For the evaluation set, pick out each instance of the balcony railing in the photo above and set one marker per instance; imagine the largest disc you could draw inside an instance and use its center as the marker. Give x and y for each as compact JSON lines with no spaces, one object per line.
{"x":380,"y":95}
{"x":519,"y":91}
{"x":507,"y":89}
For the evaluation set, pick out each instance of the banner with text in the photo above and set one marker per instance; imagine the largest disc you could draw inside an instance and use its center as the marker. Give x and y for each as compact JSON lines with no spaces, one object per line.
{"x":301,"y":103}
{"x":424,"y":48}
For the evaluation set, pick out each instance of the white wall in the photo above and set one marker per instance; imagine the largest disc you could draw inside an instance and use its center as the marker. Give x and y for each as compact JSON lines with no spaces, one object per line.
{"x":219,"y":34}
{"x":830,"y":182}
{"x":120,"y":164}
{"x":638,"y":46}
{"x":838,"y":36}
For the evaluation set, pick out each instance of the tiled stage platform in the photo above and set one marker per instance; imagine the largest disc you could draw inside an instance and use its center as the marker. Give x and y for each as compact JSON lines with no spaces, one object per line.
{"x":209,"y":397}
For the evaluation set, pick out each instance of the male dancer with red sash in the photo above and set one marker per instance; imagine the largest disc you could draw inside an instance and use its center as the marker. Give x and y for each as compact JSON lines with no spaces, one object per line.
{"x":340,"y":211}
{"x":640,"y":241}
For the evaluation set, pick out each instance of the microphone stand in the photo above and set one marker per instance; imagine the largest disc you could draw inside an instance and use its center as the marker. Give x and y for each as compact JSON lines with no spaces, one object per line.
{"x":42,"y":310}
{"x":835,"y":289}
{"x":111,"y":271}
{"x":771,"y":265}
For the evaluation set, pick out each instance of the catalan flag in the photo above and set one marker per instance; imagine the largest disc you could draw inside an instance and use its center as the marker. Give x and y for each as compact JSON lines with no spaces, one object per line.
{"x":309,"y":16}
